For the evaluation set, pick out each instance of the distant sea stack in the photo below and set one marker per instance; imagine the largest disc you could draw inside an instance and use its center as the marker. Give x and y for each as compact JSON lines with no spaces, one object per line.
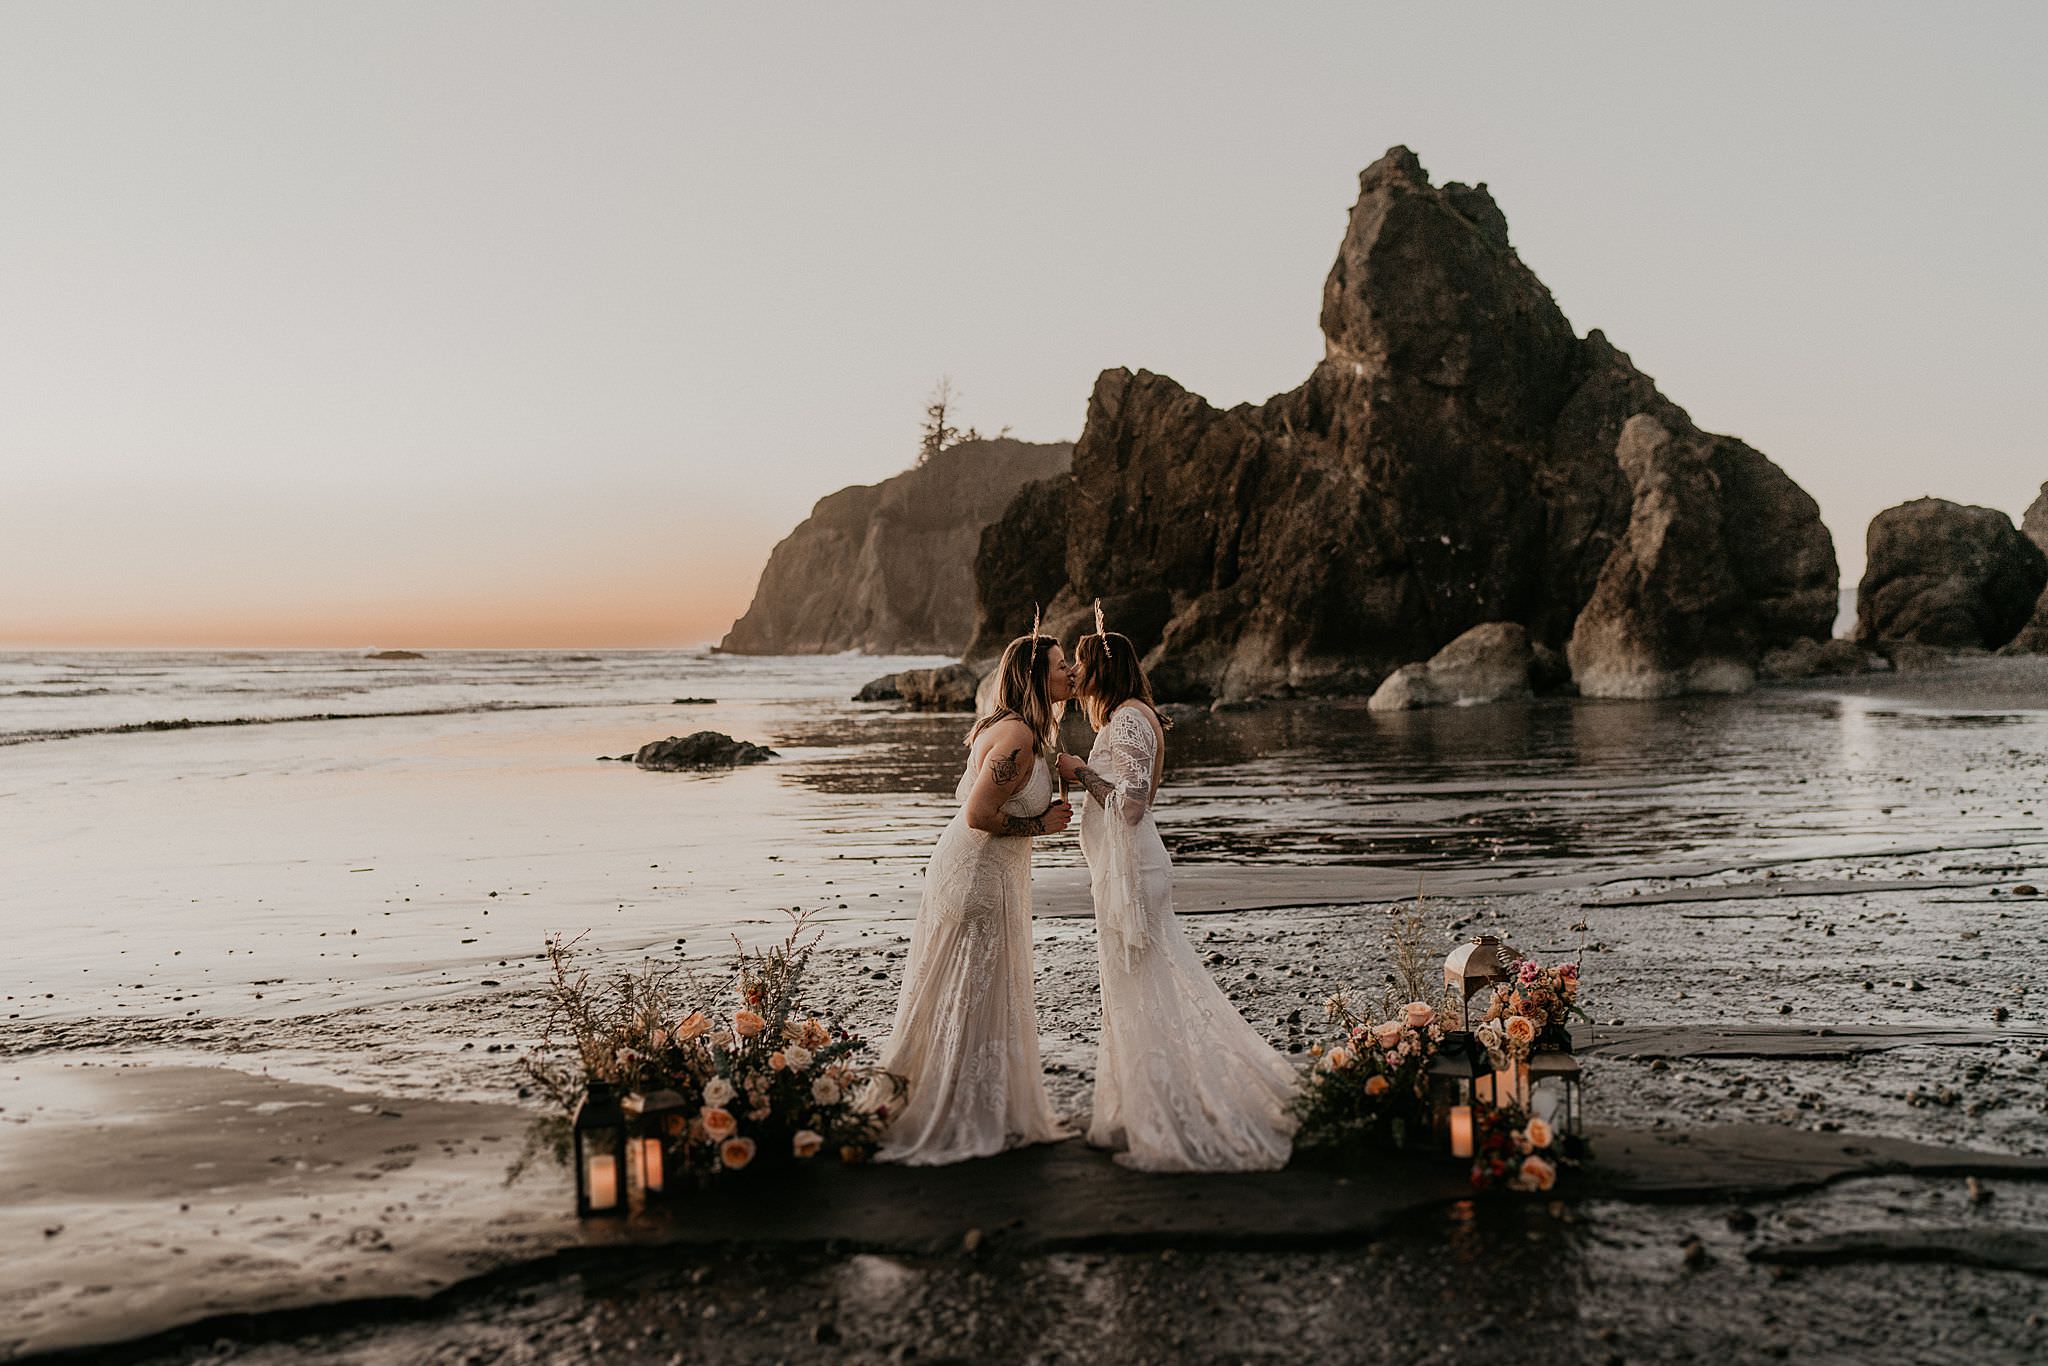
{"x":888,"y":568}
{"x":1460,"y":456}
{"x":1947,"y":576}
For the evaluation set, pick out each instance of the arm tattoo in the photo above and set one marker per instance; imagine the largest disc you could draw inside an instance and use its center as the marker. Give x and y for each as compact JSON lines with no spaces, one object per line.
{"x":1098,"y":787}
{"x":1004,"y":769}
{"x":1023,"y":825}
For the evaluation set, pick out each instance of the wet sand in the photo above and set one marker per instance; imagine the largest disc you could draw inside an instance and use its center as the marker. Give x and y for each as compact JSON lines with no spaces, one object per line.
{"x":1798,"y":911}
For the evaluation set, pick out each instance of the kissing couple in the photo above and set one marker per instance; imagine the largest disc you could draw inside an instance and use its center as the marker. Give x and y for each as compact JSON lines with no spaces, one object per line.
{"x":1182,"y":1083}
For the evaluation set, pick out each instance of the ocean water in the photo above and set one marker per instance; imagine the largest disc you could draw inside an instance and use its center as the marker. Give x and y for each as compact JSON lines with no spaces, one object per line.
{"x":185,"y":884}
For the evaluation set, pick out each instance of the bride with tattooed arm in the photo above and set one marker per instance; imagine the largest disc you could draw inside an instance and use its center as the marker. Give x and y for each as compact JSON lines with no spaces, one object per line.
{"x":965,"y":1036}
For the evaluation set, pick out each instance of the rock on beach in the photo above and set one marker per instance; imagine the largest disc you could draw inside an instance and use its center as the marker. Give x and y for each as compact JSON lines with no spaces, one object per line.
{"x":699,"y":749}
{"x":1489,"y":663}
{"x":1947,"y":576}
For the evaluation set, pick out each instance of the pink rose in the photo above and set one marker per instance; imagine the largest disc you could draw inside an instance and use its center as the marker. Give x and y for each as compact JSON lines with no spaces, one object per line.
{"x":719,"y":1123}
{"x":1416,"y":1015}
{"x":1538,"y":1174}
{"x":1387,"y":1035}
{"x":805,"y":1143}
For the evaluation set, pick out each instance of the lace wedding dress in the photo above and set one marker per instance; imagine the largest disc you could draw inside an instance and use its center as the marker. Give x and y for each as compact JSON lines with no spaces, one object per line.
{"x":1182,"y":1083}
{"x":965,"y":1035}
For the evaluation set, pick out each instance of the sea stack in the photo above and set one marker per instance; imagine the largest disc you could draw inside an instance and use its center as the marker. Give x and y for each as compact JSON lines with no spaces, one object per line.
{"x":1460,"y":456}
{"x":888,"y":568}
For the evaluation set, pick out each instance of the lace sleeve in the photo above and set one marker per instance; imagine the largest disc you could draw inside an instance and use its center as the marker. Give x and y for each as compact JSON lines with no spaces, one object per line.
{"x":1127,"y":767}
{"x":1127,"y":764}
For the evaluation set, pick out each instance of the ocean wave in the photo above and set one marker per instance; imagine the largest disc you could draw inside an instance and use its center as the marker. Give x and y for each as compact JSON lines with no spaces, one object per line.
{"x":25,"y":737}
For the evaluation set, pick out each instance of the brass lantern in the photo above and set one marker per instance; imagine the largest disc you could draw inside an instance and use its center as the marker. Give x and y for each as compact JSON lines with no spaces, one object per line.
{"x":1478,"y":966}
{"x":1555,"y":1084}
{"x":1456,"y":1073}
{"x":654,"y":1120}
{"x":599,"y":1130}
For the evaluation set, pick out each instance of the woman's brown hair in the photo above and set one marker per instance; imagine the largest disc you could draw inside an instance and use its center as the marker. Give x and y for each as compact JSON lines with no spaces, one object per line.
{"x":1023,"y":690}
{"x":1111,"y":676}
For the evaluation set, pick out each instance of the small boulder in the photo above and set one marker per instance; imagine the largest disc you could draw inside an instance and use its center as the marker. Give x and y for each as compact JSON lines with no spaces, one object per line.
{"x":1814,"y":659}
{"x":1947,"y":576}
{"x":1489,"y":663}
{"x":881,"y":689}
{"x":699,"y":749}
{"x":394,"y":654}
{"x":950,"y":688}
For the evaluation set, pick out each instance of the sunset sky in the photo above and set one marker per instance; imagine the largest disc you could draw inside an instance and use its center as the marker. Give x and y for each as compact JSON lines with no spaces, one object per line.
{"x":431,"y":324}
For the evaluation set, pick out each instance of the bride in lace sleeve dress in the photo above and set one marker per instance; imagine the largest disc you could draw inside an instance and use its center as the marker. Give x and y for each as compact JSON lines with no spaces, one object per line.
{"x":1182,"y":1083}
{"x":966,"y":1038}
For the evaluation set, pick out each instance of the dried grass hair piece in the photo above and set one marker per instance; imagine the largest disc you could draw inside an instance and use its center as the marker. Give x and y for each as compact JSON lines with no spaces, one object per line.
{"x":1100,"y":629}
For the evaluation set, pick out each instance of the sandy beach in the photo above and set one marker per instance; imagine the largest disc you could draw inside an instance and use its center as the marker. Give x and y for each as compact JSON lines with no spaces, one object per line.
{"x":265,"y":1080}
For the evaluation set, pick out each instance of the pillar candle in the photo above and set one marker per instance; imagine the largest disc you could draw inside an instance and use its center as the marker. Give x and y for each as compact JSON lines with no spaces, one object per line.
{"x":604,"y":1181}
{"x":1461,"y":1131}
{"x":650,"y":1163}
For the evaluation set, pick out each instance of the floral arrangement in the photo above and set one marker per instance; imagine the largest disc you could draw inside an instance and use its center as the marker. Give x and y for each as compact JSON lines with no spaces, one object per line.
{"x":1513,"y":1150}
{"x":762,"y":1081}
{"x":1538,"y":1001}
{"x":1371,"y":1088}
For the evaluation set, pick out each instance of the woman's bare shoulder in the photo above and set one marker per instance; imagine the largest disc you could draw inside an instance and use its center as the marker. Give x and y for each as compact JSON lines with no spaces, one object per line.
{"x":1005,"y":738}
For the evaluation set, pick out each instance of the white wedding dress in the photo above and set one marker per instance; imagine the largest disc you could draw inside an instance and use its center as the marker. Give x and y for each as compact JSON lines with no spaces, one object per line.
{"x":965,"y":1036}
{"x":1182,"y":1083}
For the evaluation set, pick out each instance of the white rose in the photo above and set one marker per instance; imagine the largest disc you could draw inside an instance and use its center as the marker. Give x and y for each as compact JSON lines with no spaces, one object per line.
{"x":718,"y":1091}
{"x":797,"y":1056}
{"x":825,"y":1091}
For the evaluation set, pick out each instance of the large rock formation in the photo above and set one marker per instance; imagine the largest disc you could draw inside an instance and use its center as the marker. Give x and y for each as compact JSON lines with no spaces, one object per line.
{"x":888,"y":568}
{"x":1459,"y":456}
{"x":2033,"y":637}
{"x":1944,"y":575}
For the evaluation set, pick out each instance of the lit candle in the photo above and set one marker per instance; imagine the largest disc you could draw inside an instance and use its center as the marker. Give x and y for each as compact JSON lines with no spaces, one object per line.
{"x":604,"y":1181}
{"x":1461,"y":1131}
{"x":650,"y":1163}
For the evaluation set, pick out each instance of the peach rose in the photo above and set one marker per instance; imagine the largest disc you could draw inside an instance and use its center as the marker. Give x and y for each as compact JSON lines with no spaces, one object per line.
{"x":1337,"y":1059}
{"x":778,"y":1060}
{"x":692,"y":1026}
{"x":747,"y":1024}
{"x":1376,"y":1085}
{"x":1417,"y":1015}
{"x":1520,"y":1029}
{"x":1538,"y":1132}
{"x":736,"y":1152}
{"x":1388,"y":1034}
{"x":719,"y":1123}
{"x":814,"y":1035}
{"x":1538,"y":1174}
{"x":805,"y":1143}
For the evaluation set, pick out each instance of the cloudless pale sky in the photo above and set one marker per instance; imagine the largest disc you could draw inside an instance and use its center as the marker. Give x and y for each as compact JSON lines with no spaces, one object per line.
{"x":512,"y":324}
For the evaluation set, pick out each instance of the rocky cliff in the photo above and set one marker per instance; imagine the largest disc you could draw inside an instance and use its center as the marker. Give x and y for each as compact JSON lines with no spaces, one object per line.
{"x":1948,"y":576}
{"x":888,"y":567}
{"x":1459,"y":456}
{"x":2033,"y":637}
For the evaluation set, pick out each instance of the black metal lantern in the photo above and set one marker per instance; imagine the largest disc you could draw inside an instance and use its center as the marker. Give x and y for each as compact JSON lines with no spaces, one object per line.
{"x":1456,"y":1070}
{"x":1555,"y":1086}
{"x":654,"y":1121}
{"x":1475,"y":967}
{"x":599,"y":1130}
